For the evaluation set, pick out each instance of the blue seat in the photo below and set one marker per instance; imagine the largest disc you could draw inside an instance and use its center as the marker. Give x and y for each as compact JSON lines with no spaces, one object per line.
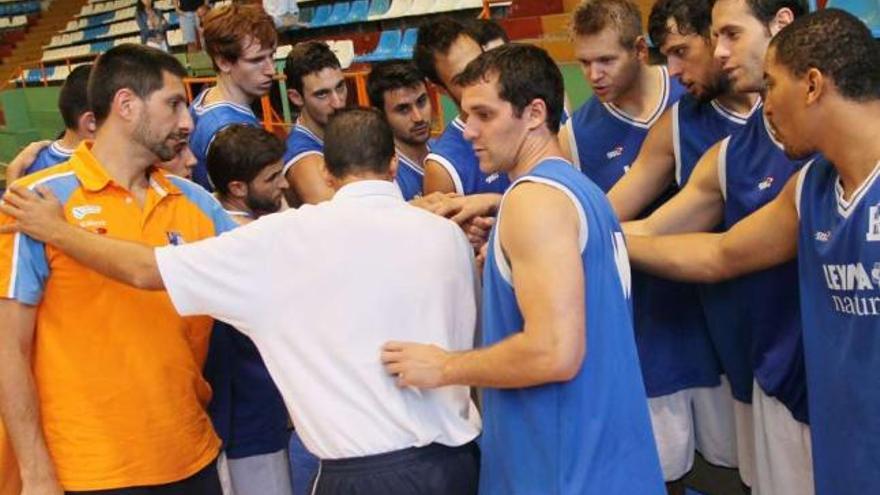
{"x":405,"y":50}
{"x":339,"y":14}
{"x":386,"y":49}
{"x":306,"y":14}
{"x":358,"y":12}
{"x":173,"y":19}
{"x":322,"y":13}
{"x":378,"y":7}
{"x":866,"y":10}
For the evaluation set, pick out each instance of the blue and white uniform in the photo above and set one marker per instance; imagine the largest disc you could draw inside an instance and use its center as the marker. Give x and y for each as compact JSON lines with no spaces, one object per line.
{"x":208,"y":120}
{"x":591,"y":434}
{"x":49,"y":156}
{"x":410,"y":176}
{"x":839,"y":268}
{"x":757,"y":317}
{"x":301,"y":142}
{"x":456,"y":155}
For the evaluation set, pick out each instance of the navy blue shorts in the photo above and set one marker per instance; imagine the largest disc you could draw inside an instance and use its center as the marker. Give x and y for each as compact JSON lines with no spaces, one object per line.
{"x":205,"y":482}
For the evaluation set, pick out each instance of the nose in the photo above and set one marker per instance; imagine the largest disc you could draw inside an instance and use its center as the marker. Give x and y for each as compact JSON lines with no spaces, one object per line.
{"x":416,"y":115}
{"x":594,"y":73}
{"x":281,"y":182}
{"x":338,"y":100}
{"x":674,"y":65}
{"x":722,"y":52}
{"x":185,"y":124}
{"x":470,"y":130}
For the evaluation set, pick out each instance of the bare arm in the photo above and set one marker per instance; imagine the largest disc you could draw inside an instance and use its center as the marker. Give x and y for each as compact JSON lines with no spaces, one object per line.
{"x":539,"y":232}
{"x":764,"y":239}
{"x":696,"y":208}
{"x":437,"y":179}
{"x":42,"y":218}
{"x":19,"y":405}
{"x":650,"y":174}
{"x":23,"y":160}
{"x":307,"y":179}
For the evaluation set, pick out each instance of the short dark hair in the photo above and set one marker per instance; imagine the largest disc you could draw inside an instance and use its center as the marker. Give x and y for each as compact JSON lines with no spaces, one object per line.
{"x":594,"y":16}
{"x":136,"y":67}
{"x":388,"y":76}
{"x":436,"y":37}
{"x":226,"y":29}
{"x":240,"y":152}
{"x":690,"y":16}
{"x":765,"y":10}
{"x":308,"y":57}
{"x":73,"y":100}
{"x":357,"y":140}
{"x":488,"y":30}
{"x":525,"y":73}
{"x":838,"y":45}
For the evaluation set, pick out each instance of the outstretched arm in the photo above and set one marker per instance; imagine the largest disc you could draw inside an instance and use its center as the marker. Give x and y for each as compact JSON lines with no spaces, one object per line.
{"x":306,"y":179}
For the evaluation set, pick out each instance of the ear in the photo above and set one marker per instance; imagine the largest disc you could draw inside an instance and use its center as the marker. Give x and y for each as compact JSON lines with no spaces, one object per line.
{"x":816,"y":85}
{"x":783,"y":17}
{"x":295,"y":97}
{"x":238,"y":189}
{"x":127,"y":104}
{"x":393,"y":166}
{"x":223,"y":65}
{"x":86,"y":125}
{"x":641,"y":48}
{"x":536,"y":113}
{"x":328,"y":177}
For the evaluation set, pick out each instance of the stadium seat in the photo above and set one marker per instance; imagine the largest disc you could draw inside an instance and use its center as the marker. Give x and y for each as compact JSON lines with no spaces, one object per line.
{"x":306,"y":14}
{"x":339,"y":14}
{"x":470,"y":4}
{"x":378,"y":8}
{"x":866,"y":10}
{"x":405,"y":50}
{"x":344,"y":51}
{"x":389,"y":43}
{"x":399,"y":8}
{"x":358,"y":12}
{"x":322,"y":14}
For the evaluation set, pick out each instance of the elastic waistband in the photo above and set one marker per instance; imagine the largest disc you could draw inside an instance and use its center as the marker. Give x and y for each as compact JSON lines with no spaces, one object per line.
{"x":393,"y":459}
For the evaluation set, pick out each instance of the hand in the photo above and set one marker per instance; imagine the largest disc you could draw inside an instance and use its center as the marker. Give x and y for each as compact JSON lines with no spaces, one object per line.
{"x":432,"y":202}
{"x":23,"y":160}
{"x":38,"y":215}
{"x":415,"y":365}
{"x":481,"y":256}
{"x":477,"y":230}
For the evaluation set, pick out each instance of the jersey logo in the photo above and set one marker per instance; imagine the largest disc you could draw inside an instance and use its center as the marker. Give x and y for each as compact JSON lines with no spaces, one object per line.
{"x":621,"y":259}
{"x":175,"y":238}
{"x":80,"y":212}
{"x":492,"y":178}
{"x":617,"y":151}
{"x":873,"y":223}
{"x":765,"y":184}
{"x":823,"y":236}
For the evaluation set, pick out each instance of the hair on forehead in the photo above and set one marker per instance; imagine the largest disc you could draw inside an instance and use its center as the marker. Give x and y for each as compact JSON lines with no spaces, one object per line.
{"x":623,"y":16}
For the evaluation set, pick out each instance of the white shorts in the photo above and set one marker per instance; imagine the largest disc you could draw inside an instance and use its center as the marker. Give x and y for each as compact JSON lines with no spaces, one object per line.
{"x":265,"y":474}
{"x":696,"y":418}
{"x":783,"y":452}
{"x":745,"y":441}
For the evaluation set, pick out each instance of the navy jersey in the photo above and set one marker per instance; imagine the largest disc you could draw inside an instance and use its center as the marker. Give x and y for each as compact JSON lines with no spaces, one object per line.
{"x":696,"y":126}
{"x":591,"y":434}
{"x":839,"y":268}
{"x":673,"y":343}
{"x":49,"y":156}
{"x":410,"y":176}
{"x":762,"y":308}
{"x":208,"y":120}
{"x":301,"y":142}
{"x":457,"y":157}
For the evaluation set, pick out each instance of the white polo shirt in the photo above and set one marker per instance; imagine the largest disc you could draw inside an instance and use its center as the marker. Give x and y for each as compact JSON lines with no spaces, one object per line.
{"x":319,"y":290}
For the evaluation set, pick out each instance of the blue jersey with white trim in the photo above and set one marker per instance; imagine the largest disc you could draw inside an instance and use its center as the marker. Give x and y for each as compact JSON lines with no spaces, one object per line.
{"x":696,"y":126}
{"x":456,"y":155}
{"x":301,"y":142}
{"x":760,"y":311}
{"x":49,"y":156}
{"x":410,"y":176}
{"x":839,"y":268}
{"x":674,"y":347}
{"x":208,"y":120}
{"x":591,"y":434}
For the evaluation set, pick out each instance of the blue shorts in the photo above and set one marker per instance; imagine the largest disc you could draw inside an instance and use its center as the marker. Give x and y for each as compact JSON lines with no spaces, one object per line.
{"x":189,"y":26}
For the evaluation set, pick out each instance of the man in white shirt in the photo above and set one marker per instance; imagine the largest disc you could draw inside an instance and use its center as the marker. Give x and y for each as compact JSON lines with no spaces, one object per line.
{"x":319,"y":290}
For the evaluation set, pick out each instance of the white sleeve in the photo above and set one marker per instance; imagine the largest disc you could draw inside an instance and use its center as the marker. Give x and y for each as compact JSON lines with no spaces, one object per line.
{"x":225,"y":277}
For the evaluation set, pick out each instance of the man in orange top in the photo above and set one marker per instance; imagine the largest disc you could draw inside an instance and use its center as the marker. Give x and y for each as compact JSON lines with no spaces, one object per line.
{"x":101,"y":385}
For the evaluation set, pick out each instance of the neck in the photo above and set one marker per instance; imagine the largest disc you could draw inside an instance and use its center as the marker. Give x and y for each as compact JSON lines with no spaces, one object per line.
{"x":125,"y":161}
{"x":236,"y":205}
{"x":309,"y":123}
{"x":360,"y":177}
{"x":70,"y":139}
{"x":738,"y":102}
{"x":415,"y":152}
{"x":644,"y":94}
{"x":538,"y":146}
{"x":851,"y":144}
{"x":228,"y":91}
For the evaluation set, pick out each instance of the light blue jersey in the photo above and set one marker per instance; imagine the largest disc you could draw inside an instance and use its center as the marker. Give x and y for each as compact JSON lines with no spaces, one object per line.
{"x":839,"y":268}
{"x":301,"y":142}
{"x":49,"y":156}
{"x":208,"y":120}
{"x":456,"y":155}
{"x":592,"y":434}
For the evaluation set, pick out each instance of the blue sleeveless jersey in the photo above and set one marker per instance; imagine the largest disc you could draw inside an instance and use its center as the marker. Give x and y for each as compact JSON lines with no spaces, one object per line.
{"x":457,"y":157}
{"x":410,"y":176}
{"x":301,"y":142}
{"x":761,"y":308}
{"x":839,"y":267}
{"x":696,"y":126}
{"x":674,"y":346}
{"x":208,"y":121}
{"x":48,"y":157}
{"x":592,"y":434}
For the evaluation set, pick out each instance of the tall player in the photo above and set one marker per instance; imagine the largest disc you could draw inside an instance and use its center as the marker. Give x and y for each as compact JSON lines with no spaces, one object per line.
{"x":564,"y":406}
{"x":820,"y":72}
{"x":316,"y":86}
{"x":679,"y":367}
{"x":241,"y":41}
{"x":755,"y":319}
{"x":398,"y":90}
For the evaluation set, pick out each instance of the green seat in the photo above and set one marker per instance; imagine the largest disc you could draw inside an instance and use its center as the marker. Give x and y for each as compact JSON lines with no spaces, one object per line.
{"x":184,"y":60}
{"x":200,"y":64}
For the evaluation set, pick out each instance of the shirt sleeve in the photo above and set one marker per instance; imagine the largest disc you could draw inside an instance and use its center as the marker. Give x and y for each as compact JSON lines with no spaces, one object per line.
{"x":23,"y":267}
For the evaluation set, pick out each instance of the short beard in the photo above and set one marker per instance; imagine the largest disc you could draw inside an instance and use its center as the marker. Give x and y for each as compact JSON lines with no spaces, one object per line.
{"x":260,"y":206}
{"x":158,"y":148}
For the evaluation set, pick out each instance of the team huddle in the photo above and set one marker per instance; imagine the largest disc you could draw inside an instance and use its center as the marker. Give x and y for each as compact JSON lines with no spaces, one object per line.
{"x":537,"y":301}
